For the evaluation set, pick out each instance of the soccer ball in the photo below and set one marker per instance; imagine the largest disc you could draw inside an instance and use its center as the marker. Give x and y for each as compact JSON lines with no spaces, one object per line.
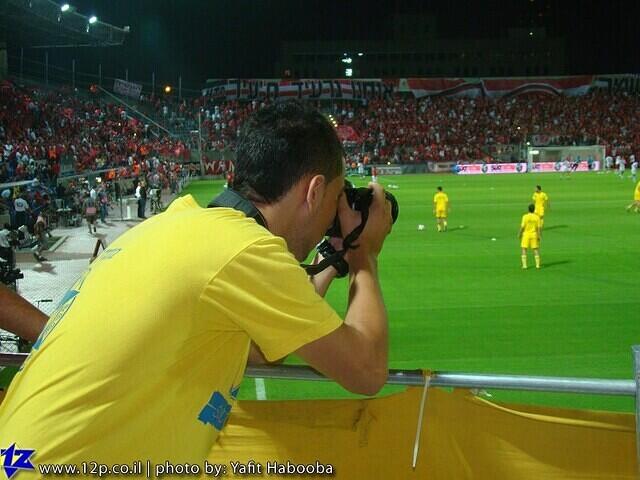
{"x":420,"y":227}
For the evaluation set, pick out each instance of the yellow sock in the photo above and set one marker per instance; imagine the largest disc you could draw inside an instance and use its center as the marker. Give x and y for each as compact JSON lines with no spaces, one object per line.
{"x":537,"y":261}
{"x":439,"y":228}
{"x":541,"y":223}
{"x":524,"y":261}
{"x":445,"y":224}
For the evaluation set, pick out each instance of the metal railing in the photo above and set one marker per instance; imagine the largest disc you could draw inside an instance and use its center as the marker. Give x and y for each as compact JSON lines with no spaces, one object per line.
{"x":598,"y":386}
{"x":594,"y":386}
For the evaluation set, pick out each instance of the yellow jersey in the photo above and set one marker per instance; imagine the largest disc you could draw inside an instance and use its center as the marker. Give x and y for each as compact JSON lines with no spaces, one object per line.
{"x":540,"y":200}
{"x":530,"y":224}
{"x":143,"y":358}
{"x":636,"y":193}
{"x":440,"y":201}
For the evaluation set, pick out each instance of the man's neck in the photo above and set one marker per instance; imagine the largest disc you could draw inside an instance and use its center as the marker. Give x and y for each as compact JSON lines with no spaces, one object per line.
{"x":282,"y":220}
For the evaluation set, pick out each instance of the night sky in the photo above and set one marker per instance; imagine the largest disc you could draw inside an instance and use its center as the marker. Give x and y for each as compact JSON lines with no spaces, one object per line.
{"x":201,"y":39}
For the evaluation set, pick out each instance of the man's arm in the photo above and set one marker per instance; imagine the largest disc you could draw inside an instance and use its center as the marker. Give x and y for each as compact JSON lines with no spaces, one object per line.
{"x":20,"y":317}
{"x":256,"y":357}
{"x":322,"y":280}
{"x":355,"y":354}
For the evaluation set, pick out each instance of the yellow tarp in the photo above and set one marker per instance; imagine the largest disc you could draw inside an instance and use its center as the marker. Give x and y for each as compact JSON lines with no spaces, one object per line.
{"x":463,"y":437}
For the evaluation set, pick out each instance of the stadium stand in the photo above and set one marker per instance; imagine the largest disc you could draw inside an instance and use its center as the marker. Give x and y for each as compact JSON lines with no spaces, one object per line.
{"x":39,"y":128}
{"x":42,"y":129}
{"x":407,"y":130}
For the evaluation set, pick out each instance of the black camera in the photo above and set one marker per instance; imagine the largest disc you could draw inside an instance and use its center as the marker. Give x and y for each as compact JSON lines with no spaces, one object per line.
{"x":359,"y":199}
{"x":9,"y":274}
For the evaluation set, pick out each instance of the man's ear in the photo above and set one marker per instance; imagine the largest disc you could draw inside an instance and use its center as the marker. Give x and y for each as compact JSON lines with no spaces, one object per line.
{"x":315,"y":191}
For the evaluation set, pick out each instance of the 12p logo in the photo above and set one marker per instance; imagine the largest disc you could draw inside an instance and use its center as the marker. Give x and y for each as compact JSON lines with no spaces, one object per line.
{"x":16,"y":459}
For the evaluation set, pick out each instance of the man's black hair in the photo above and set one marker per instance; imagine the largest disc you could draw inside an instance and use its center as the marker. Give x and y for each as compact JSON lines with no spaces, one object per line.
{"x":538,"y":187}
{"x":440,"y":189}
{"x":279,"y":145}
{"x":532,"y":208}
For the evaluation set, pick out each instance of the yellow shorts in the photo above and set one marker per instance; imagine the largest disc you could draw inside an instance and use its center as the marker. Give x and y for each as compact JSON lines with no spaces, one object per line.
{"x":529,"y":241}
{"x":441,"y":213}
{"x":636,"y":198}
{"x":539,"y":212}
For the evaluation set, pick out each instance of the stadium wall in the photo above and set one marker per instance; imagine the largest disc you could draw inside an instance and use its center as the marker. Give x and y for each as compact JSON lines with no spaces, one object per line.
{"x":4,"y":69}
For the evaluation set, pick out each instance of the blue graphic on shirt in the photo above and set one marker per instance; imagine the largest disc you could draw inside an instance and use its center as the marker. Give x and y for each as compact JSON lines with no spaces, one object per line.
{"x":234,"y":392}
{"x":56,"y":316}
{"x":216,"y":411}
{"x":109,"y":254}
{"x":21,"y":462}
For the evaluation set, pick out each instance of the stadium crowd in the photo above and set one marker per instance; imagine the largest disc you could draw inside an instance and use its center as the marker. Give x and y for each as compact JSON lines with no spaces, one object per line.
{"x":407,"y":130}
{"x":45,"y":131}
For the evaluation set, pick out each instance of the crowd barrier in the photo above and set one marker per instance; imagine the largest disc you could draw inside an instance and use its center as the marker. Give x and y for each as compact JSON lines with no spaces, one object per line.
{"x":427,"y":432}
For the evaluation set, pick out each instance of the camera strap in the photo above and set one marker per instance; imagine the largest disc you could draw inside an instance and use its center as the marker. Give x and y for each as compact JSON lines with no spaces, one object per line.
{"x":333,"y":258}
{"x":232,"y":199}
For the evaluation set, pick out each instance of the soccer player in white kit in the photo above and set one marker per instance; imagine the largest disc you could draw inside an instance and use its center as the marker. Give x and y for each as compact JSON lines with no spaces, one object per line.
{"x":634,"y":168}
{"x":608,"y":163}
{"x":564,"y":168}
{"x":621,"y":166}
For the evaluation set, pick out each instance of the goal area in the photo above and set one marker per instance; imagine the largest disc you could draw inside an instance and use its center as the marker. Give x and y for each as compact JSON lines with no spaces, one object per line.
{"x":548,"y":159}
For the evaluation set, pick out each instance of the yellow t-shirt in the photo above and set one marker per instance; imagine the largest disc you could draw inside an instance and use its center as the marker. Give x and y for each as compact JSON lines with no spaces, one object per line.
{"x":144,"y":357}
{"x":636,"y":194}
{"x":531,"y":223}
{"x":440,"y":201}
{"x":540,"y":200}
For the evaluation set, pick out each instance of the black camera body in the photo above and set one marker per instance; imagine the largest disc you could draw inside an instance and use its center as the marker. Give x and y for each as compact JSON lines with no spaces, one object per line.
{"x":9,"y":274}
{"x":359,"y":199}
{"x":14,"y":238}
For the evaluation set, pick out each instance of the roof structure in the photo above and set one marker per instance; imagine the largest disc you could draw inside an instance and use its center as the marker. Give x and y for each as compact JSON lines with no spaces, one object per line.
{"x":44,"y":24}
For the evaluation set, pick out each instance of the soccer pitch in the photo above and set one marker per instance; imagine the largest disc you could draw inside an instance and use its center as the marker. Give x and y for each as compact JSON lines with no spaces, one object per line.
{"x":459,"y":301}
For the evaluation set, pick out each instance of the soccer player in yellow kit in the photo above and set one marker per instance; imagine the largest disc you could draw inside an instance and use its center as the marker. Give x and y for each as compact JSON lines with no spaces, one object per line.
{"x":441,"y":209}
{"x":636,"y":200}
{"x":530,"y":235}
{"x":541,"y":201}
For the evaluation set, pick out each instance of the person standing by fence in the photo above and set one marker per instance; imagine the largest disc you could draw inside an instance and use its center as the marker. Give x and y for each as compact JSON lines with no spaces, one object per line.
{"x":90,"y":213}
{"x":141,"y":195}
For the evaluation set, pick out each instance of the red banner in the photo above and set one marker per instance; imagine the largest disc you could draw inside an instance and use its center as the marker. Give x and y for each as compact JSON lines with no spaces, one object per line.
{"x":496,"y":87}
{"x":216,"y":167}
{"x":359,"y":89}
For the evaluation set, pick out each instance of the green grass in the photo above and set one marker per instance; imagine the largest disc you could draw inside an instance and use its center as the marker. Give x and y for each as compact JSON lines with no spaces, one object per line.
{"x":459,"y":301}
